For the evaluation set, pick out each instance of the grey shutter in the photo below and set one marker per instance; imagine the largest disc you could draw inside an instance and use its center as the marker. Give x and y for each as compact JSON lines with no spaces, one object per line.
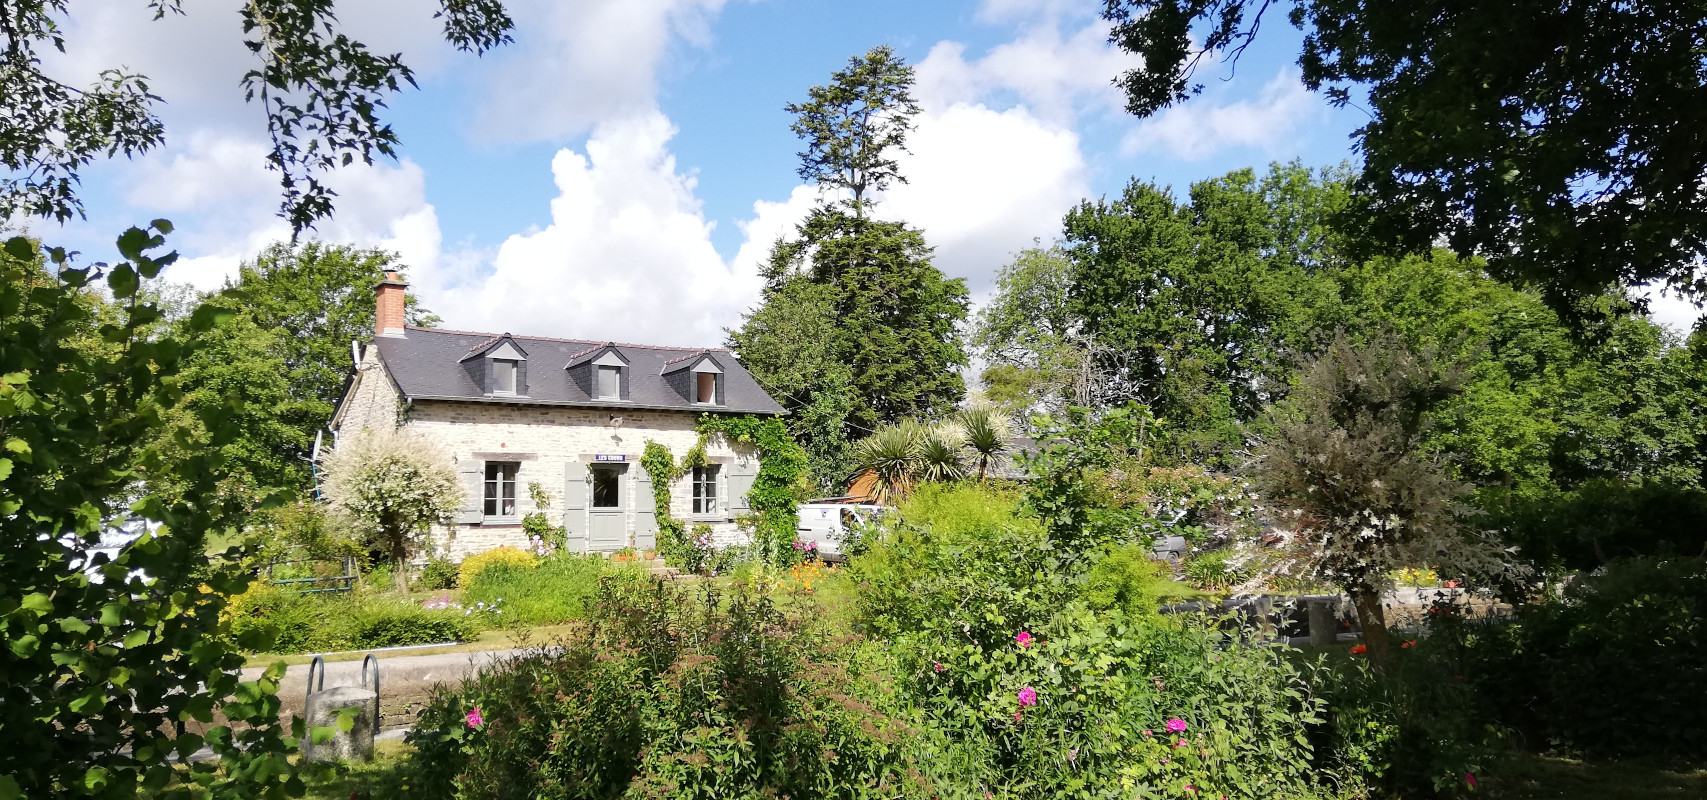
{"x":645,"y":511}
{"x":522,"y":377}
{"x":488,"y":383}
{"x":623,"y":381}
{"x":575,"y":505}
{"x":473,"y":475}
{"x":741,"y":475}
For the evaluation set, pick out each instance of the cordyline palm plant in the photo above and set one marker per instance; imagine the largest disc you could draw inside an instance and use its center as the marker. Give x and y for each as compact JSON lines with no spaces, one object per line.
{"x":985,"y":437}
{"x":939,"y":457}
{"x":890,"y":455}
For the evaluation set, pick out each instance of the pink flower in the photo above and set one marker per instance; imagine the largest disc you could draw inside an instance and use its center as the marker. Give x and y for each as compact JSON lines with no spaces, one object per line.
{"x":1018,"y":715}
{"x":1190,"y":788}
{"x":1176,"y":725}
{"x":1180,"y":743}
{"x":474,"y":718}
{"x":1146,"y":733}
{"x":1470,"y":780}
{"x":1027,"y":697}
{"x":1023,"y":638}
{"x":940,"y":667}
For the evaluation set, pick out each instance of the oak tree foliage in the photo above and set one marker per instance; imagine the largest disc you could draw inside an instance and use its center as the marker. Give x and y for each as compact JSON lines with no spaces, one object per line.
{"x":1566,"y":144}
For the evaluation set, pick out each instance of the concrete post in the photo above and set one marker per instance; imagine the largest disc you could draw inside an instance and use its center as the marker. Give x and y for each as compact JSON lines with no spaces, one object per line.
{"x":1322,"y":623}
{"x":356,"y":744}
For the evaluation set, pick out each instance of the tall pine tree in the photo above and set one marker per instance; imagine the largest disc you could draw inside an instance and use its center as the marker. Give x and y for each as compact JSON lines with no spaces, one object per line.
{"x":856,"y":327}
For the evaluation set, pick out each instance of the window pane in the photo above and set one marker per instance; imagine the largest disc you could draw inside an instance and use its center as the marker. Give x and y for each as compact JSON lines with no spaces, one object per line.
{"x":604,"y":488}
{"x":705,"y":490}
{"x":508,"y":488}
{"x":707,"y":387}
{"x":504,"y":376}
{"x":610,"y":382}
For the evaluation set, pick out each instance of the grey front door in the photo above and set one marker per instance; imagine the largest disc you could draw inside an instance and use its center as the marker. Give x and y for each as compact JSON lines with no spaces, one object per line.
{"x":608,"y":526}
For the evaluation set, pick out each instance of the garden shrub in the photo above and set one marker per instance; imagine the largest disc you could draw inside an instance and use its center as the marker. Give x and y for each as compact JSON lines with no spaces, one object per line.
{"x":1410,"y":730}
{"x":390,"y":622}
{"x":1125,"y":578}
{"x":1094,"y":705}
{"x":673,"y":696}
{"x":559,"y":589}
{"x":277,"y":620}
{"x":1214,"y":570}
{"x":439,"y":573}
{"x":1617,"y":666}
{"x":510,"y":556}
{"x":1035,"y":681}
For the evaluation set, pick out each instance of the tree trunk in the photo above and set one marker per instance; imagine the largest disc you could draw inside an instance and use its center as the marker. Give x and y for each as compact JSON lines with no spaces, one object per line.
{"x":1373,"y":618}
{"x":400,"y":575}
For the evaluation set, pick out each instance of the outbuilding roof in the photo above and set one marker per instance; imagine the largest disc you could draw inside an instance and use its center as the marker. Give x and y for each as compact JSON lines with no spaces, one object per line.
{"x":425,"y":363}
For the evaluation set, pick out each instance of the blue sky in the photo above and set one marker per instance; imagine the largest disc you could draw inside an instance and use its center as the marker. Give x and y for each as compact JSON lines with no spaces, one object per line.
{"x":621,"y":170}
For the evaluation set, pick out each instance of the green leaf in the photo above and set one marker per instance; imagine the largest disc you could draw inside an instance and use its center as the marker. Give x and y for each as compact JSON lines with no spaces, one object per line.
{"x":25,"y":646}
{"x":322,"y":734}
{"x":123,"y":280}
{"x":22,"y":249}
{"x":136,"y":639}
{"x":132,"y":242}
{"x":38,"y":602}
{"x":95,"y":779}
{"x":347,"y":720}
{"x":162,"y":225}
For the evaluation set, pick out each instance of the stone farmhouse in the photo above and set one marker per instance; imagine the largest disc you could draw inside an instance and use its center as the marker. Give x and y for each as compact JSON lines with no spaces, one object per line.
{"x":572,"y":416}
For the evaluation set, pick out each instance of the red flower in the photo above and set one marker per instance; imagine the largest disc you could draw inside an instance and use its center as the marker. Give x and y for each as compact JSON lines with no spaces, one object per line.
{"x":1358,"y":650}
{"x":1411,"y":643}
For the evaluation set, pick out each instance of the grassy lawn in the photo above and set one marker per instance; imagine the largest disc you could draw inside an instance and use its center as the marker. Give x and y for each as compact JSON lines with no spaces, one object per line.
{"x":382,"y":778}
{"x":1528,"y":777}
{"x":496,"y":639}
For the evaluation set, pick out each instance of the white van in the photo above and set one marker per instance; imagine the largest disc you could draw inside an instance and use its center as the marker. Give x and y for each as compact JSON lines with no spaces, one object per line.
{"x":826,"y":522}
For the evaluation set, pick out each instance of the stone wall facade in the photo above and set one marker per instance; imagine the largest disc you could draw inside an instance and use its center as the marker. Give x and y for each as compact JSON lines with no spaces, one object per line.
{"x":547,"y":443}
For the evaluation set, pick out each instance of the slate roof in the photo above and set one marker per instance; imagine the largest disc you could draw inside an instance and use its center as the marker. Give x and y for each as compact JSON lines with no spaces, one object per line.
{"x":425,"y":365}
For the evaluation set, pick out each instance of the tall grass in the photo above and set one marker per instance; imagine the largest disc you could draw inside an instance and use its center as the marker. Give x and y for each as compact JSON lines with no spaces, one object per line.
{"x":557,"y":590}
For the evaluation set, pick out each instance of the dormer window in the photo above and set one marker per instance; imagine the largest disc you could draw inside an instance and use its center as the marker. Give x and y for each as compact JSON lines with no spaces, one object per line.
{"x":503,"y":376}
{"x":706,"y":389}
{"x":499,"y":366}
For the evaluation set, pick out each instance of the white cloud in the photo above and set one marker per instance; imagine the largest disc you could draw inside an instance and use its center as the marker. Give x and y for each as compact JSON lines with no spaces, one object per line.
{"x":984,"y":184}
{"x":221,"y":181}
{"x":1054,"y":75}
{"x":627,"y":255}
{"x":575,"y":65}
{"x":1197,"y":130}
{"x":1674,"y":311}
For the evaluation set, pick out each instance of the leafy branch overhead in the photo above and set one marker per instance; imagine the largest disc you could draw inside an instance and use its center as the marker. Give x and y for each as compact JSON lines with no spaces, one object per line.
{"x":322,"y":92}
{"x":1564,"y":143}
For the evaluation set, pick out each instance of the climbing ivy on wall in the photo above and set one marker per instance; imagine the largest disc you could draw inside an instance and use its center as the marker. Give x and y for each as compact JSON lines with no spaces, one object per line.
{"x":661,"y":465}
{"x":773,"y":496}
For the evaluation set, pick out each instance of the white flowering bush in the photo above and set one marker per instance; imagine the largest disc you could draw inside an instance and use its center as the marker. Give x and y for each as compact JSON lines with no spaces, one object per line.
{"x":392,"y":487}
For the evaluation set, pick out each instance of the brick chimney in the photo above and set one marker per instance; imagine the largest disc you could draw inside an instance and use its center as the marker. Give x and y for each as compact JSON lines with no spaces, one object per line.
{"x":388,"y":305}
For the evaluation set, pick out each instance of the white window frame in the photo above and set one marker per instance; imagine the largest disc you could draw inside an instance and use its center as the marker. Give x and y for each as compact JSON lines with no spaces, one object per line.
{"x":705,"y":477}
{"x":492,"y":484}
